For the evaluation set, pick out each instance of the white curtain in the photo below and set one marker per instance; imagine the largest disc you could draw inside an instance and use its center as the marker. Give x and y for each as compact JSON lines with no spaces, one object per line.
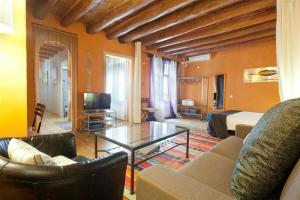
{"x":172,"y":67}
{"x":288,"y":48}
{"x":156,"y":86}
{"x":136,"y":93}
{"x":117,"y":84}
{"x":164,"y":87}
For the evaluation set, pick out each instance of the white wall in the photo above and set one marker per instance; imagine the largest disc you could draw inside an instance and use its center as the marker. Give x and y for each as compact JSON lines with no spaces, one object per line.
{"x":51,"y":89}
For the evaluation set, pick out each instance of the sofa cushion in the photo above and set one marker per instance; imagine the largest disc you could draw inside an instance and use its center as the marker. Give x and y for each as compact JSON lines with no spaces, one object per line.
{"x":212,"y":170}
{"x":63,"y":161}
{"x":229,"y":148}
{"x":20,"y":151}
{"x":269,"y":153}
{"x":291,"y":187}
{"x":161,"y":183}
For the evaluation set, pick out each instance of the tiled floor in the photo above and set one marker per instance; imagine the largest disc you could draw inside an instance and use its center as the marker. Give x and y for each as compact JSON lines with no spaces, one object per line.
{"x":194,"y":124}
{"x":55,"y":124}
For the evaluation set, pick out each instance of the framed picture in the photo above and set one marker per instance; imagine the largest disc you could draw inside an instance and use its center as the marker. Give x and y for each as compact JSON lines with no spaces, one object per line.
{"x":261,"y":74}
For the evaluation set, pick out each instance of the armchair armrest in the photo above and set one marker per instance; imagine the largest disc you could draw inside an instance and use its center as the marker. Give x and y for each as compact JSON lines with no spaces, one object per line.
{"x":157,"y":183}
{"x":106,"y":175}
{"x":242,"y":130}
{"x":54,"y":144}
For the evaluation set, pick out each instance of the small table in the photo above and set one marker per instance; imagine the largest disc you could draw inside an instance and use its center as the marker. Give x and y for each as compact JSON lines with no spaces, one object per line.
{"x":138,"y":136}
{"x":146,"y":112}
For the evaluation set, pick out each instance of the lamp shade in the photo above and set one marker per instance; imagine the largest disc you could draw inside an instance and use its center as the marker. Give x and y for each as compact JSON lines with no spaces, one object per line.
{"x":6,"y":16}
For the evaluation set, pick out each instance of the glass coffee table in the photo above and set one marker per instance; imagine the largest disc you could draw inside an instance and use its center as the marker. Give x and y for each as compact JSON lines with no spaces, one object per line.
{"x":138,"y":136}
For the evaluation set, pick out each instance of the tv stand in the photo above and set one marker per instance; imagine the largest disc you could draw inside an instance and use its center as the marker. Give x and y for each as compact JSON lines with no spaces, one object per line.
{"x":97,"y":120}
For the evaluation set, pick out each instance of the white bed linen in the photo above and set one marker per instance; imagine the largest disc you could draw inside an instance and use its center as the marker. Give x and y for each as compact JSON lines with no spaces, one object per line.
{"x":247,"y":118}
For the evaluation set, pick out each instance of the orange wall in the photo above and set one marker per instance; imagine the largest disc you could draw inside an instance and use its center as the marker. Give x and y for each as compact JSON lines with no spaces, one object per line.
{"x":254,"y":97}
{"x":96,"y":44}
{"x":13,"y":100}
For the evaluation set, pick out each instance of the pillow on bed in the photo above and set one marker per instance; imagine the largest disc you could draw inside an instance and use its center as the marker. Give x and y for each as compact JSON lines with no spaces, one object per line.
{"x":269,"y":153}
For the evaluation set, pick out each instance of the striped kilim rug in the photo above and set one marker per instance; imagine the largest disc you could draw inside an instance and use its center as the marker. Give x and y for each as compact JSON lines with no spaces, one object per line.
{"x":175,"y":158}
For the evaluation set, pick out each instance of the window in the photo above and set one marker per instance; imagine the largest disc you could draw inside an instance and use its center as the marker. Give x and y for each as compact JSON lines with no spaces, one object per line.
{"x":116,"y":83}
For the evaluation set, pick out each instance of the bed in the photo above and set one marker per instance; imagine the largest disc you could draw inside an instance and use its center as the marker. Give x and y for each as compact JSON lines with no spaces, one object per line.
{"x":221,"y":124}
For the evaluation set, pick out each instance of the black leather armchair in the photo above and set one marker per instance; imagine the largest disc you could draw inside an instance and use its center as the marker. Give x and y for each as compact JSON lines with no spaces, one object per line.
{"x":101,"y":178}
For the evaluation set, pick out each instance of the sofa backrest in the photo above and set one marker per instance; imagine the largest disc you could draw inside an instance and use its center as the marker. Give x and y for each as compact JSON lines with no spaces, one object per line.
{"x":52,"y":144}
{"x":291,"y":187}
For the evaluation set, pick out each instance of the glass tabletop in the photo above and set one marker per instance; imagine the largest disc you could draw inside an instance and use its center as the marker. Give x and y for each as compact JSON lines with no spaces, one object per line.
{"x":140,"y":135}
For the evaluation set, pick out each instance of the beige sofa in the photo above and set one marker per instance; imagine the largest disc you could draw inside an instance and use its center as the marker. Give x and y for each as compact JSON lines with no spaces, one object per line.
{"x":207,"y":177}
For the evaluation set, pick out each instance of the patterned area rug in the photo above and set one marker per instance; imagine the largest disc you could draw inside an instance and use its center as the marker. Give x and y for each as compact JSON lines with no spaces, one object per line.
{"x":175,"y":158}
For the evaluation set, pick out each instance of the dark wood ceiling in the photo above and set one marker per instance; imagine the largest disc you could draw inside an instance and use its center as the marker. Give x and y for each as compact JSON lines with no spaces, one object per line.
{"x":180,"y":28}
{"x":49,"y":50}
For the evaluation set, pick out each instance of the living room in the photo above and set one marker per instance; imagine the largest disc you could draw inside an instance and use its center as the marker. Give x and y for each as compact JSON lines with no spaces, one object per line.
{"x":149,"y":99}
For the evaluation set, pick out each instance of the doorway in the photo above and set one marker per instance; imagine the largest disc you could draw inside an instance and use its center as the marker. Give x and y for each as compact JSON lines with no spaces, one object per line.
{"x":55,"y":75}
{"x":54,"y":87}
{"x":219,"y":91}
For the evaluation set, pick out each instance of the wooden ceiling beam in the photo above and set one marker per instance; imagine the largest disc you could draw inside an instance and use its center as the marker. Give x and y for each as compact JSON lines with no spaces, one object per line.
{"x":48,"y":55}
{"x":220,"y":28}
{"x":118,"y":14}
{"x":250,"y":37}
{"x":50,"y":47}
{"x":78,"y":11}
{"x":163,"y":55}
{"x":43,"y":57}
{"x":42,"y":7}
{"x":195,"y":10}
{"x":220,"y":37}
{"x":243,"y":8}
{"x":196,"y":53}
{"x":151,"y":13}
{"x":51,"y":51}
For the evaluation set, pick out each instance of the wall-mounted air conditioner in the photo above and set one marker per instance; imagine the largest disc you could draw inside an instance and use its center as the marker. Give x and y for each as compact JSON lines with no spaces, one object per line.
{"x":203,"y":57}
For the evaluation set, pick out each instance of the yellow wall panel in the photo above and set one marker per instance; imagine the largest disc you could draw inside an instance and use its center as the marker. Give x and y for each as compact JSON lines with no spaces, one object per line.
{"x":13,"y":83}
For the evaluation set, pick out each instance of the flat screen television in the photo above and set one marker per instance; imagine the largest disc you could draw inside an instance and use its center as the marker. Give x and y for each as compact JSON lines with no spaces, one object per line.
{"x":96,"y":101}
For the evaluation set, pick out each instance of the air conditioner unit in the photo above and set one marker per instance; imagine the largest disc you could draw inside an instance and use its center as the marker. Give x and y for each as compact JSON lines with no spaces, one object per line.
{"x":203,"y":57}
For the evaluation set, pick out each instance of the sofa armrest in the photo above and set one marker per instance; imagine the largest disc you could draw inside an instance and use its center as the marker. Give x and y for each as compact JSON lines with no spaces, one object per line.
{"x":158,"y":182}
{"x":106,"y":175}
{"x":242,"y":130}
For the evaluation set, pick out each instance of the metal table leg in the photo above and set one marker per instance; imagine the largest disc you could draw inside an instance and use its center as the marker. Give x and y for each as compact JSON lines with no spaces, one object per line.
{"x":132,"y":173}
{"x":96,"y":146}
{"x":187,"y":143}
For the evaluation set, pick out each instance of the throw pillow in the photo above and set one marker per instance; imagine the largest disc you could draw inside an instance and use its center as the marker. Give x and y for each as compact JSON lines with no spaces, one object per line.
{"x":269,"y":153}
{"x":20,"y":151}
